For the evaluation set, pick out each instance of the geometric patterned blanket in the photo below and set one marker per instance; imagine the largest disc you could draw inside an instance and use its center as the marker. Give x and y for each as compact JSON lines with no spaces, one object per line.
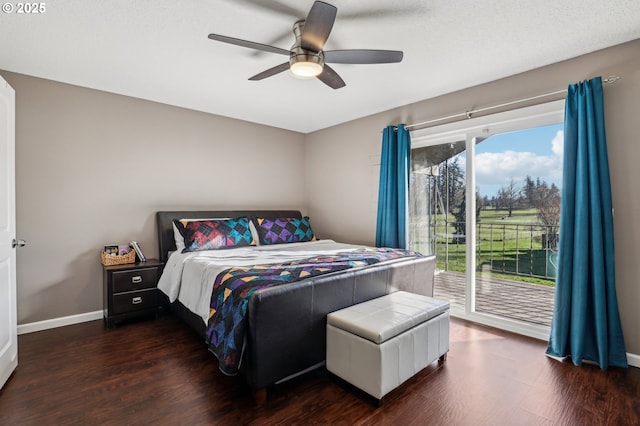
{"x":226,"y":329}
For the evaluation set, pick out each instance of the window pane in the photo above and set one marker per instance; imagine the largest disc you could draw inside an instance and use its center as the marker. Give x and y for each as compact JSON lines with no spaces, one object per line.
{"x":437,"y":214}
{"x":518,"y":179}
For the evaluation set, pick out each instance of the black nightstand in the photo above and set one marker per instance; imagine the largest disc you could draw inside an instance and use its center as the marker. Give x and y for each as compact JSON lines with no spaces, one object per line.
{"x":129,"y":291}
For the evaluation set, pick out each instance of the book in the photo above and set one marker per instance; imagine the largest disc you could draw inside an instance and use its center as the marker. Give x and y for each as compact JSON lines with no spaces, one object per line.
{"x":138,"y":250}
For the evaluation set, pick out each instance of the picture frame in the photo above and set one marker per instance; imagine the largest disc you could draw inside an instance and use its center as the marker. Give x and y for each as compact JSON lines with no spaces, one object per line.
{"x":111,"y":249}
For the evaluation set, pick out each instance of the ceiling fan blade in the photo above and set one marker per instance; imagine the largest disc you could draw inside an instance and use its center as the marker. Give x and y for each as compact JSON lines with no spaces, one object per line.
{"x":279,"y":39}
{"x":331,"y":78}
{"x":317,"y":26}
{"x":273,"y":6}
{"x":385,"y":12}
{"x":362,"y":56}
{"x":249,"y":44}
{"x":271,"y":71}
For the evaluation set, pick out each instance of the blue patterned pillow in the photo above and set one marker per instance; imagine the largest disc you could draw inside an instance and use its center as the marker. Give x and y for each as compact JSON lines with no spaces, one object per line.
{"x":284,"y":230}
{"x":212,"y":234}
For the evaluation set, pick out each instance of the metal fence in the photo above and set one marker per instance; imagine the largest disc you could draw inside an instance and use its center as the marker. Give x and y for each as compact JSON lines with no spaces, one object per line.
{"x":519,"y":249}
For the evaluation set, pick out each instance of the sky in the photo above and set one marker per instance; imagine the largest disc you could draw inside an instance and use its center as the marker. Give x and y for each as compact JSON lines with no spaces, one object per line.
{"x":533,"y":152}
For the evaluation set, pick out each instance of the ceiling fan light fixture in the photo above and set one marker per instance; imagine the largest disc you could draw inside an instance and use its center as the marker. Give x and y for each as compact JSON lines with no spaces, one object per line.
{"x":304,"y":63}
{"x":306,"y":69}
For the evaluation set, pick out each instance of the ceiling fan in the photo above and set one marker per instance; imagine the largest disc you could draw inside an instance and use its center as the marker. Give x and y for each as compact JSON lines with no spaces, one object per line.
{"x":307,"y":59}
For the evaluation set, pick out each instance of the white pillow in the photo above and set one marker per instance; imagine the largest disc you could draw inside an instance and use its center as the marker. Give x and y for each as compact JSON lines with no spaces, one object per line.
{"x":179,"y":240}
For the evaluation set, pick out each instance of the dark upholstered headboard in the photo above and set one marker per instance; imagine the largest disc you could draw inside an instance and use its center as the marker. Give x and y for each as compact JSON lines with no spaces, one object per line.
{"x":164,"y":221}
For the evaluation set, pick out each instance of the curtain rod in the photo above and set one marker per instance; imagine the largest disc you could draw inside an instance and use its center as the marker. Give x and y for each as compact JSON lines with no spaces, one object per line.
{"x":467,"y":114}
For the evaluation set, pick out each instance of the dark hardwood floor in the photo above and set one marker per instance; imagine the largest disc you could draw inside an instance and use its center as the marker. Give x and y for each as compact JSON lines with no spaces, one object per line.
{"x":159,"y":372}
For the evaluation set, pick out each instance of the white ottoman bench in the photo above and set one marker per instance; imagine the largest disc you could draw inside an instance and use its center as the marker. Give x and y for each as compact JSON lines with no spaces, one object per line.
{"x":379,"y":344}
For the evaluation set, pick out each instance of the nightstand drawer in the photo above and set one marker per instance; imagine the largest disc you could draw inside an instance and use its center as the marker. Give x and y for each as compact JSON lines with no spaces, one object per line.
{"x":134,"y":279}
{"x":135,"y":301}
{"x":129,"y":291}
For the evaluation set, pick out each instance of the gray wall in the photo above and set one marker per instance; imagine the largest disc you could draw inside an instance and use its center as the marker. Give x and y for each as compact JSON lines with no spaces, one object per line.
{"x":343,"y":202}
{"x":93,"y":167}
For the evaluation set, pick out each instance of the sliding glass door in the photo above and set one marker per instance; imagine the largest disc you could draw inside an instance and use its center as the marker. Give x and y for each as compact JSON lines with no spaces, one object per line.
{"x":484,"y":199}
{"x":518,"y":176}
{"x":438,"y":212}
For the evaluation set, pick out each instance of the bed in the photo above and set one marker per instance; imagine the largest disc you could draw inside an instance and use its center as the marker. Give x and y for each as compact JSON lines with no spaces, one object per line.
{"x":285,"y":324}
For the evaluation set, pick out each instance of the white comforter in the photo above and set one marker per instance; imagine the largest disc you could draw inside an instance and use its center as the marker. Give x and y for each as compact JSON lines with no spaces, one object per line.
{"x":189,"y":277}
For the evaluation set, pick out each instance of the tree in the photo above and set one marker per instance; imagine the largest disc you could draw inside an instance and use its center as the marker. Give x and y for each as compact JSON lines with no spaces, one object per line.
{"x":460,"y":224}
{"x":547,"y":200}
{"x":508,"y":196}
{"x":451,"y":184}
{"x":528,"y":191}
{"x":451,"y":187}
{"x":548,"y":204}
{"x":480,"y":203}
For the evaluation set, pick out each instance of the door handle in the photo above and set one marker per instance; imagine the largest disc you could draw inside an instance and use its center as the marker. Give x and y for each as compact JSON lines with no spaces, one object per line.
{"x":18,"y":243}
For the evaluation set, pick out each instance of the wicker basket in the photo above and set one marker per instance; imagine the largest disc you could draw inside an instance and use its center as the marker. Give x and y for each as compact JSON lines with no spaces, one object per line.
{"x":109,"y":260}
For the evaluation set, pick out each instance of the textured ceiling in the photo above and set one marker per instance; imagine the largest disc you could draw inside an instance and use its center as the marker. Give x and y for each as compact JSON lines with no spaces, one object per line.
{"x":159,"y":50}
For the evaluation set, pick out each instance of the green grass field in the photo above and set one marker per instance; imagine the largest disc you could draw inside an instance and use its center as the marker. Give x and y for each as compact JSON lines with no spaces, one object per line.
{"x":508,"y":247}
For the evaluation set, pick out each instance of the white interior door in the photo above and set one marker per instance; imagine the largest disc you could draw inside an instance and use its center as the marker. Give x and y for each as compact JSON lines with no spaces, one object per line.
{"x":8,"y":318}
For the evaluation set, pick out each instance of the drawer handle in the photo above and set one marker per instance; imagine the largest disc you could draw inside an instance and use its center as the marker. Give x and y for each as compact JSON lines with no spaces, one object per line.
{"x":136,"y":280}
{"x":136,"y":300}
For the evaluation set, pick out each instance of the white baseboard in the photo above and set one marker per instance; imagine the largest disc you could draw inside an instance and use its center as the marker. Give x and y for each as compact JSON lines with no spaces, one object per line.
{"x":59,"y":322}
{"x":633,"y":360}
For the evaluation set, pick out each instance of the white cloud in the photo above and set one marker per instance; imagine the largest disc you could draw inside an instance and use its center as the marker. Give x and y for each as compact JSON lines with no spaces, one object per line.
{"x":557,"y":144}
{"x":496,"y":169}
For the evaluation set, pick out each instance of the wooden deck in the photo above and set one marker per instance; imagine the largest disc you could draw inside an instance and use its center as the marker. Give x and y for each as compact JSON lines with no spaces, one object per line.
{"x":516,"y":300}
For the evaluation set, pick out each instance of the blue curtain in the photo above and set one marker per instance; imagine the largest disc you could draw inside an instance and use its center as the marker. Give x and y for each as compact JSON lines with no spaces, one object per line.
{"x":393,"y":192}
{"x":586,"y":323}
